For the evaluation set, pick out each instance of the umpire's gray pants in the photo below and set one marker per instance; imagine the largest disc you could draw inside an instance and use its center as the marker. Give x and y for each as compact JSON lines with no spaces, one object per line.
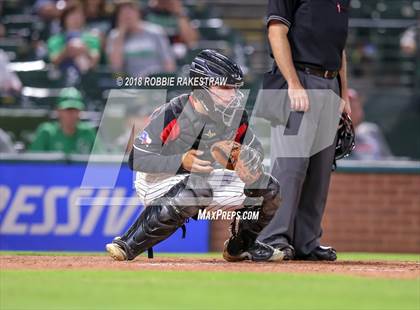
{"x":304,"y":185}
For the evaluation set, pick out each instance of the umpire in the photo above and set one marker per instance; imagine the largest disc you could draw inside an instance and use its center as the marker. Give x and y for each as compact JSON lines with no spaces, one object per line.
{"x":307,"y":39}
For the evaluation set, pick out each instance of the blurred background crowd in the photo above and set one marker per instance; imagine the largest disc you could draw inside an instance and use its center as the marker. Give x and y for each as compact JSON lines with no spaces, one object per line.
{"x":59,"y":59}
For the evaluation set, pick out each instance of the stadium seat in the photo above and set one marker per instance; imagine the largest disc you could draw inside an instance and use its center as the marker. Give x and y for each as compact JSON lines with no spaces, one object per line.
{"x":212,"y":29}
{"x":19,"y":25}
{"x":93,"y":85}
{"x":16,"y":6}
{"x":36,"y":97}
{"x":47,"y":76}
{"x":16,"y":48}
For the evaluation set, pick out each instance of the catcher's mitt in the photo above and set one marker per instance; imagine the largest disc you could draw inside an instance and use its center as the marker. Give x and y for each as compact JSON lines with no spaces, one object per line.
{"x":246,"y":161}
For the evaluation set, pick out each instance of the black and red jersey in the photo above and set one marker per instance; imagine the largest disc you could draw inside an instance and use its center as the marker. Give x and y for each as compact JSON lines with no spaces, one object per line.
{"x":175,"y":128}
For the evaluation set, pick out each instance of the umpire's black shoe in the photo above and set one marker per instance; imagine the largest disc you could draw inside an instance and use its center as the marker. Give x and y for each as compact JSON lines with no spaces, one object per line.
{"x":321,"y":253}
{"x":258,"y":252}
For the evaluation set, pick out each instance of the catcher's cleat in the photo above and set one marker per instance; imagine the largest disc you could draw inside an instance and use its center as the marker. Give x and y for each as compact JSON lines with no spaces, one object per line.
{"x":258,"y":252}
{"x":288,"y":251}
{"x":116,"y":252}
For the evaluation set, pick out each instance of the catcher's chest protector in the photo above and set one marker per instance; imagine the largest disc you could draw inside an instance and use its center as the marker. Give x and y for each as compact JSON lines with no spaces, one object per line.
{"x":196,"y":131}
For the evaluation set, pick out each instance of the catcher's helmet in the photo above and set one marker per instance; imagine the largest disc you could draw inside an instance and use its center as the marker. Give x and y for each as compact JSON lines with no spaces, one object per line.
{"x":345,"y":137}
{"x":211,"y":64}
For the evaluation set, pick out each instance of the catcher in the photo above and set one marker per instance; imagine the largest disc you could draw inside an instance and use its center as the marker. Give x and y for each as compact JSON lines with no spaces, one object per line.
{"x":198,"y":153}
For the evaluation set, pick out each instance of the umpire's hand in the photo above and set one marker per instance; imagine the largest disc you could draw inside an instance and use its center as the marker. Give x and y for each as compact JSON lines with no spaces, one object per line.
{"x":191,"y":162}
{"x":299,"y":100}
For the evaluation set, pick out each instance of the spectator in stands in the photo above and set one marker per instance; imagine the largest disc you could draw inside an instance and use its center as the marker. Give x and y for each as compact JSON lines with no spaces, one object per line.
{"x":69,"y":134}
{"x":409,"y":39}
{"x":98,"y":18}
{"x":2,"y":30}
{"x":48,"y":10}
{"x":135,"y":47}
{"x":370,"y":141}
{"x":9,"y":81}
{"x":6,"y":144}
{"x":172,"y":16}
{"x":74,"y":50}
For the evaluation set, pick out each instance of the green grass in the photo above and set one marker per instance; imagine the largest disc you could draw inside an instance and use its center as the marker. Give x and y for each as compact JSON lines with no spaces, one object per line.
{"x":341,"y":255}
{"x":200,"y":290}
{"x":76,"y":289}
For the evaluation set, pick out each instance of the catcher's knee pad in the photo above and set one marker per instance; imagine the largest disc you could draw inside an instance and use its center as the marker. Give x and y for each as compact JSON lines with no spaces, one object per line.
{"x":189,"y":195}
{"x":267,"y":186}
{"x":269,"y":189}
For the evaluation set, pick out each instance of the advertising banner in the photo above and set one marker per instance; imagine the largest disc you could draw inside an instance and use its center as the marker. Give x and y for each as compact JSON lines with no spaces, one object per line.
{"x":44,"y":208}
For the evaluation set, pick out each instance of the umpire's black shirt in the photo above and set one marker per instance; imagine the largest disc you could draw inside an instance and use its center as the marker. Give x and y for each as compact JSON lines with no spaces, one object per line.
{"x":317,"y":29}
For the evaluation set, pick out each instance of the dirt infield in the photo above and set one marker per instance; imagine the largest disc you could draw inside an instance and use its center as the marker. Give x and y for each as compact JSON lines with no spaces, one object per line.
{"x":377,"y":269}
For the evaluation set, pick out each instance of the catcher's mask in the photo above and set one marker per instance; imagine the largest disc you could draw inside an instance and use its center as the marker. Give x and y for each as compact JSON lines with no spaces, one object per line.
{"x":345,"y":137}
{"x":213,"y":65}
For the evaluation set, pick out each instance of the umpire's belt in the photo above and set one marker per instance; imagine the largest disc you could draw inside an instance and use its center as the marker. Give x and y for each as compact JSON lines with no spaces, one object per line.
{"x":310,"y":69}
